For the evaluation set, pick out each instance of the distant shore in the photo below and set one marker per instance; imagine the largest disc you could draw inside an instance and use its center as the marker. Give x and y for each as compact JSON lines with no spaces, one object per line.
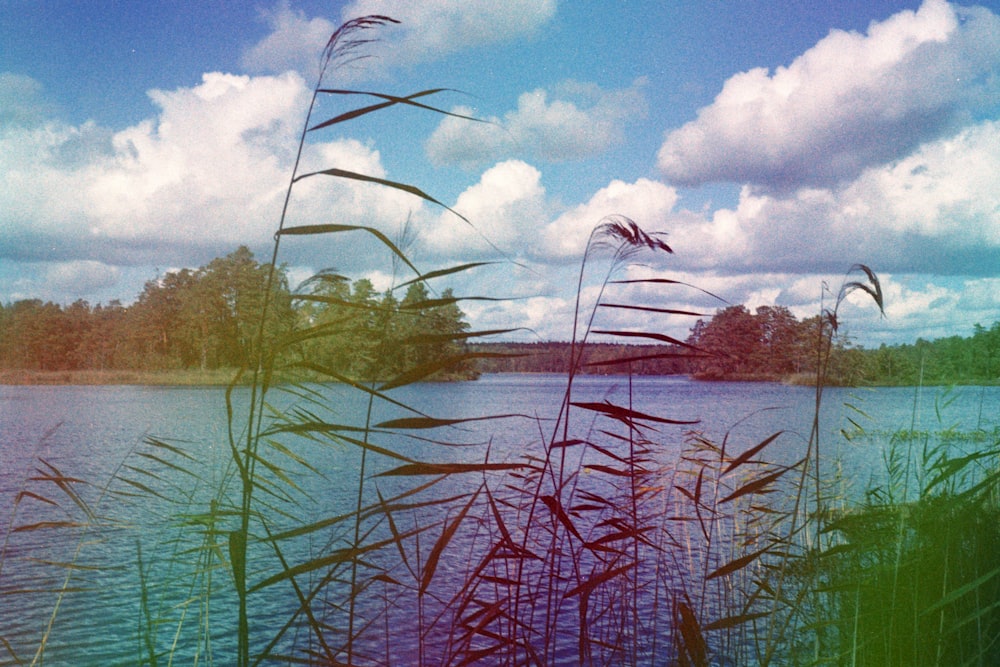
{"x":179,"y":377}
{"x":185,"y":377}
{"x":222,"y":377}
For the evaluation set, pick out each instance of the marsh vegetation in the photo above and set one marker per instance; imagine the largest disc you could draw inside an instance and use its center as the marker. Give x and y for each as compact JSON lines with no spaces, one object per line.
{"x":617,"y":534}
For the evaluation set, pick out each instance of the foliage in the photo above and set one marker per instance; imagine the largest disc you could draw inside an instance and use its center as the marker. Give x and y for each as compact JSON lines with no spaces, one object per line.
{"x":202,"y":318}
{"x":207,"y":319}
{"x":952,"y":360}
{"x":771,"y":344}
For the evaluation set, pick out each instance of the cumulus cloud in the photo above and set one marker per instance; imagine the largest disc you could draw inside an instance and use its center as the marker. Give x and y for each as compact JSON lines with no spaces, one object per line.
{"x":204,"y":175}
{"x":511,"y":214}
{"x":294,"y":43}
{"x":646,"y":201}
{"x":577,"y":120}
{"x":851,"y":102}
{"x":506,"y":208}
{"x":936,"y":211}
{"x":22,"y":101}
{"x":428,"y":30}
{"x":80,"y":277}
{"x":433,"y":28}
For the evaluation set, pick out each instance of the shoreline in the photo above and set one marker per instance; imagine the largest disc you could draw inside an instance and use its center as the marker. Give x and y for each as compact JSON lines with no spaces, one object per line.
{"x":168,"y":378}
{"x":222,"y":377}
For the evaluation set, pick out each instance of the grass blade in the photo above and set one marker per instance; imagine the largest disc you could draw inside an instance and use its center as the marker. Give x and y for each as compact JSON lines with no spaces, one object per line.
{"x":435,"y":556}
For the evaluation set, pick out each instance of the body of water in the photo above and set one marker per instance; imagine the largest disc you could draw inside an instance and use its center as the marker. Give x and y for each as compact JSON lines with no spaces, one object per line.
{"x":80,"y":486}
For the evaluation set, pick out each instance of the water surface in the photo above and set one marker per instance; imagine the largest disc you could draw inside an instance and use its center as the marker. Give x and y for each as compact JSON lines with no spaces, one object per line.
{"x":93,"y":434}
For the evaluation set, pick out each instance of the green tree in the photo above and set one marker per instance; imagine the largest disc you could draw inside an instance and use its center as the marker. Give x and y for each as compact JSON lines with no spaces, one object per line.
{"x":101,"y":346}
{"x":38,"y":337}
{"x":733,"y":339}
{"x":229,"y":300}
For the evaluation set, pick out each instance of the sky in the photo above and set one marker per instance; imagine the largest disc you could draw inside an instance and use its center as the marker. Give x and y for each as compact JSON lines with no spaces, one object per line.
{"x":773,"y":144}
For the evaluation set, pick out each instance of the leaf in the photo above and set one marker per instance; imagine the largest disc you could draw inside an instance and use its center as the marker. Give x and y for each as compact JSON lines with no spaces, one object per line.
{"x":643,"y":357}
{"x":733,"y":621}
{"x":435,"y":556}
{"x":756,"y":486}
{"x":587,"y":587}
{"x":421,"y":468}
{"x":31,"y":494}
{"x":627,"y":415}
{"x":651,"y":309}
{"x":334,"y":375}
{"x":49,"y":524}
{"x":874,"y":291}
{"x":442,"y":272}
{"x":427,"y":304}
{"x":163,"y":461}
{"x":693,"y":640}
{"x":665,"y":281}
{"x":745,"y":456}
{"x":556,"y":508}
{"x":145,"y":489}
{"x":335,"y":229}
{"x":336,"y":557}
{"x":351,"y":175}
{"x":737,"y":564}
{"x":238,"y":560}
{"x":961,"y":591}
{"x":171,"y":448}
{"x":652,"y":336}
{"x":385,"y":510}
{"x":391,"y":100}
{"x":433,"y":422}
{"x":949,"y":467}
{"x":430,"y":368}
{"x":433,"y":339}
{"x":608,"y":470}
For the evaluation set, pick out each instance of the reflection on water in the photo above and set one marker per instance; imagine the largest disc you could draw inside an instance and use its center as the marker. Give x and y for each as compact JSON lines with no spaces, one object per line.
{"x":65,"y":445}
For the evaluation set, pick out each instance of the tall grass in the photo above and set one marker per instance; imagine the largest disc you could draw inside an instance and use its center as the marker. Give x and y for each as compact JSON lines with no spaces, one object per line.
{"x":617,"y":536}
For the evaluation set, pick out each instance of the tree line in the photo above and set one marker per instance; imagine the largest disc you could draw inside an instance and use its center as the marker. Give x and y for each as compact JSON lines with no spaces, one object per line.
{"x":209,"y":318}
{"x":770,"y":344}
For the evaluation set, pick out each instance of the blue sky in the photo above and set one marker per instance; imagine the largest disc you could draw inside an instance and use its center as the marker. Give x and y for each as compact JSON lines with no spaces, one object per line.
{"x":775,"y":143}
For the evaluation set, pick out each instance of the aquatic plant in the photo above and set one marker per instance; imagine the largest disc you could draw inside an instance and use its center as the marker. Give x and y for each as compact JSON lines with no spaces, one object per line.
{"x":618,"y":536}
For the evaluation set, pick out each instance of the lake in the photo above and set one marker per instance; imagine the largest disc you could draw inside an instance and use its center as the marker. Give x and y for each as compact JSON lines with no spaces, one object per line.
{"x":96,"y":434}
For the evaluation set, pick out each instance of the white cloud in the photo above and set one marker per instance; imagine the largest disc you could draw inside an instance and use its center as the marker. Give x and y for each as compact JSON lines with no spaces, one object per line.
{"x":60,"y":282}
{"x":80,"y":277}
{"x":506,"y":208}
{"x":647,"y":202}
{"x":510,"y":213}
{"x":936,"y":211}
{"x":430,"y":29}
{"x":204,"y":175}
{"x":578,"y":120}
{"x":536,"y":318}
{"x":22,"y":101}
{"x":850,"y":102}
{"x":294,"y":43}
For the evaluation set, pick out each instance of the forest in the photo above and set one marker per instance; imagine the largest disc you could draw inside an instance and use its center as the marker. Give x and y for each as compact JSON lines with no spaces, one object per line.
{"x":208,"y":318}
{"x":770,"y":344}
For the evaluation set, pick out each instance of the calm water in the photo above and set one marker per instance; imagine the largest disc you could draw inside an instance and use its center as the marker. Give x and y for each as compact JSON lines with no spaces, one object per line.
{"x":95,"y":433}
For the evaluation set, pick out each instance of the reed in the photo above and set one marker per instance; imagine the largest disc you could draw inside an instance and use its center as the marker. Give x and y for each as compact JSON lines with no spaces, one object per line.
{"x":617,"y":536}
